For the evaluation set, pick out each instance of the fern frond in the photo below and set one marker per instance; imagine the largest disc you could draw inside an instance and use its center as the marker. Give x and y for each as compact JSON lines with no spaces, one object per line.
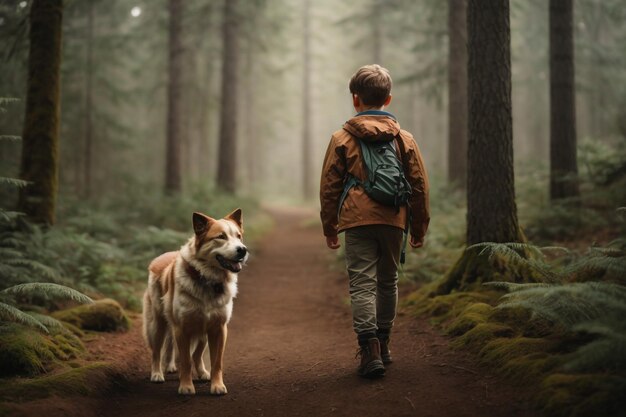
{"x":10,"y":313}
{"x":49,"y":290}
{"x":46,"y":271}
{"x":8,"y":215}
{"x":605,"y":352}
{"x":48,"y":321}
{"x":556,"y":249}
{"x":9,"y":240}
{"x":610,"y":252}
{"x":8,"y":100}
{"x":612,"y":266}
{"x":572,"y":304}
{"x":9,"y":253}
{"x":13,"y":182}
{"x":510,"y":252}
{"x":512,"y":286}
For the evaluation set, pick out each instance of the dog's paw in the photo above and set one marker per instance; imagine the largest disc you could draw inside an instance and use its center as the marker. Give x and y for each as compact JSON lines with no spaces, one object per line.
{"x":204,"y":376}
{"x":171,"y":369}
{"x":157,"y":378}
{"x":218,"y":389}
{"x":186,"y":390}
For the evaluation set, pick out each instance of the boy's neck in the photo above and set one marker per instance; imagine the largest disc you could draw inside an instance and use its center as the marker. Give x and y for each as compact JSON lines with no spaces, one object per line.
{"x":361,"y":109}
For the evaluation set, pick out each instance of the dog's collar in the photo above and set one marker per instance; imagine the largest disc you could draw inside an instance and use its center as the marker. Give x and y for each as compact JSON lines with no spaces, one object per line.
{"x":198,"y":278}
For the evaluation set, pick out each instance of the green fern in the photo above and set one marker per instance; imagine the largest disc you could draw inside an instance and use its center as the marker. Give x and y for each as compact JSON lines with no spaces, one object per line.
{"x":13,"y":182}
{"x":596,"y":308}
{"x":604,"y":352}
{"x":48,"y":321}
{"x":45,"y":271}
{"x":512,"y":252}
{"x":512,"y":286}
{"x":48,"y":290}
{"x":10,"y":313}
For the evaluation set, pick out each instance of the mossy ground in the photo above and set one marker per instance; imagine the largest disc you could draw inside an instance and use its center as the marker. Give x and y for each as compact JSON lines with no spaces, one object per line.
{"x":90,"y":379}
{"x":27,"y":351}
{"x":527,"y":350}
{"x":102,"y":316}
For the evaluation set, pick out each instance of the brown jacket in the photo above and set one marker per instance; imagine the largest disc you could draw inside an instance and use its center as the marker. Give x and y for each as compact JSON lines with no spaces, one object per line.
{"x":344,"y":157}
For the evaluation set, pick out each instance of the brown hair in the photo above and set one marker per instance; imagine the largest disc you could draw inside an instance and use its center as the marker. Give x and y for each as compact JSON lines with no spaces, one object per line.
{"x":372,"y":83}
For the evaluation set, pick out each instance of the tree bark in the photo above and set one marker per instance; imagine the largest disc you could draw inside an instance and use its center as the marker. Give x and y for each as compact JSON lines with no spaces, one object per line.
{"x":457,"y":93}
{"x":307,"y":164}
{"x":40,"y":135}
{"x":226,"y":172}
{"x":491,"y":208}
{"x":377,"y":32}
{"x":206,"y":168}
{"x":252,"y":136}
{"x":563,"y":165}
{"x":88,"y":146}
{"x":173,"y":180}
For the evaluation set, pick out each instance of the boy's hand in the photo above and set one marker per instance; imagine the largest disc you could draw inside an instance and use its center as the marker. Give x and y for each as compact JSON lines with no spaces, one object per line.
{"x":416,"y":243}
{"x":332,"y":242}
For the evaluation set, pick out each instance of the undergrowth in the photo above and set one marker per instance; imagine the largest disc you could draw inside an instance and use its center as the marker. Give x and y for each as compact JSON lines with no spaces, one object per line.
{"x":102,"y":249}
{"x":564,"y":334}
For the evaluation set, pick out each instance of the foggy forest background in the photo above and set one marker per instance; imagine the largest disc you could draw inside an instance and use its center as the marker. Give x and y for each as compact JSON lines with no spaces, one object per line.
{"x":115,"y":73}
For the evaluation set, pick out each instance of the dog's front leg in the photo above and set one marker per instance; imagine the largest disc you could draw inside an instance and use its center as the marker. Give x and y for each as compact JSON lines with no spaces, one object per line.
{"x":217,"y":342}
{"x":182,"y":344}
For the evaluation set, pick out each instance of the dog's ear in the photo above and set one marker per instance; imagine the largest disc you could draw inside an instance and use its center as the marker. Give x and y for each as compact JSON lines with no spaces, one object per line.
{"x":201,"y":223}
{"x":237,"y":217}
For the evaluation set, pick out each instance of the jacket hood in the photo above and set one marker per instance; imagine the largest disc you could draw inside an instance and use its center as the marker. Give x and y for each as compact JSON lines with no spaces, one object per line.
{"x":373,"y":125}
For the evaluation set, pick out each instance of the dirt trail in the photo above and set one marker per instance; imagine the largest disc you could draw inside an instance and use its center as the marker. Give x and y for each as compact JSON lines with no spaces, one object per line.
{"x":291,"y":351}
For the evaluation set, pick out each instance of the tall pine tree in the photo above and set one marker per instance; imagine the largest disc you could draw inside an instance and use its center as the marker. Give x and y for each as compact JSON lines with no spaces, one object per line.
{"x":563,"y":165}
{"x":173,"y":180}
{"x":40,"y":137}
{"x":491,"y":208}
{"x":226,"y":172}
{"x":457,"y":93}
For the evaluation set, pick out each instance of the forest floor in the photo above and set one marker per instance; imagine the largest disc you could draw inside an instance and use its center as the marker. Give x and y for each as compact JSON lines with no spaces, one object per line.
{"x":291,"y":352}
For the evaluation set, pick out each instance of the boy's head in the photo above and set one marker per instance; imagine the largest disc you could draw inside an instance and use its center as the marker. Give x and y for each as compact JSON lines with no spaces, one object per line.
{"x":371,"y":85}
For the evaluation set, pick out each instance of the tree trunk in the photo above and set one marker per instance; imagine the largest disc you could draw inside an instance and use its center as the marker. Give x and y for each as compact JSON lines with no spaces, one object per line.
{"x":173,"y":149}
{"x":457,"y":93}
{"x":88,"y":147}
{"x":252,"y":137}
{"x":307,"y":164}
{"x":491,"y":209}
{"x":40,"y":135}
{"x":563,"y":165}
{"x":377,"y":32}
{"x":226,"y":172}
{"x":205,"y":114}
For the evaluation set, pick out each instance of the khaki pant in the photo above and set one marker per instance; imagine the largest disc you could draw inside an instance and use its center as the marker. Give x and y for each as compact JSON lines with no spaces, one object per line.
{"x":372,"y":257}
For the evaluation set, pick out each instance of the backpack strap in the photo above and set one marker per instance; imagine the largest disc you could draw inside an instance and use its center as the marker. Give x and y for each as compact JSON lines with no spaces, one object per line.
{"x":351,"y":181}
{"x":398,"y":139}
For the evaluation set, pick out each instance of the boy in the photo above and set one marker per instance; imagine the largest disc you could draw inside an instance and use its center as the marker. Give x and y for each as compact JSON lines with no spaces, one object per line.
{"x":373,"y":231}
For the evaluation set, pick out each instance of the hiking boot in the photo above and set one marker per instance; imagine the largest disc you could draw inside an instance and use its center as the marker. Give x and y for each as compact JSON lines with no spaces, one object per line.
{"x":371,"y":362}
{"x":385,"y":353}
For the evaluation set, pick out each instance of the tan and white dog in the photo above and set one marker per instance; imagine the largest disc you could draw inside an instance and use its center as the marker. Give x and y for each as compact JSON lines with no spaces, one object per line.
{"x":190,"y":300}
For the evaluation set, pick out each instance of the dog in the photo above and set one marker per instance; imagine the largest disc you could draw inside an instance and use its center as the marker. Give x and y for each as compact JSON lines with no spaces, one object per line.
{"x":189,"y":300}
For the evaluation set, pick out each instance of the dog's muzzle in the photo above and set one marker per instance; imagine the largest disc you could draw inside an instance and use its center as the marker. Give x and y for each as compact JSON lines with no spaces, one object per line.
{"x":233,"y":265}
